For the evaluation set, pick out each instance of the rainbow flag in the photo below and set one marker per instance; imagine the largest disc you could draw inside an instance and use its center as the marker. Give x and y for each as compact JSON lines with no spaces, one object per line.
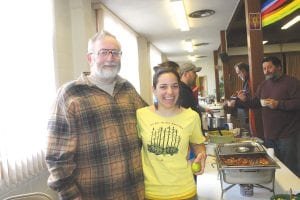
{"x":274,"y":10}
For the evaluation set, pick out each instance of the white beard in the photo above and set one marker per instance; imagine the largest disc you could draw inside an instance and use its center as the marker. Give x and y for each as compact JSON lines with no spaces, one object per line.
{"x":106,"y":72}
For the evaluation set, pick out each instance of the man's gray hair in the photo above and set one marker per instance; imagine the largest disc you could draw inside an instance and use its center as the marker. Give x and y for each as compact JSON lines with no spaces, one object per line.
{"x":99,"y":36}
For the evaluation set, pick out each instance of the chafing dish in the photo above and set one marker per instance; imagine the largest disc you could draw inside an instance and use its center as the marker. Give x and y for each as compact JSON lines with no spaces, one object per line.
{"x":243,"y":148}
{"x":245,"y":163}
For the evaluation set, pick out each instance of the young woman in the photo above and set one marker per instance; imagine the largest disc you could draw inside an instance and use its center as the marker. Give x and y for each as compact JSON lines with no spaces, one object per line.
{"x":167,"y":130}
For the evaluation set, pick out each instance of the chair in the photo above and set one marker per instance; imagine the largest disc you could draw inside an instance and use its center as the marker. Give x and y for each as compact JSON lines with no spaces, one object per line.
{"x":30,"y":196}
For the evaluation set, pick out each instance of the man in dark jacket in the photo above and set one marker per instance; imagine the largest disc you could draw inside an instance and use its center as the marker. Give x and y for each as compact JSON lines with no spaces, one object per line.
{"x":188,"y":80}
{"x":242,"y":112}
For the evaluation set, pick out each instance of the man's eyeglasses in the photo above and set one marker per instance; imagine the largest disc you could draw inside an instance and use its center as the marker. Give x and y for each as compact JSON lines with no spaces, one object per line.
{"x":105,"y":52}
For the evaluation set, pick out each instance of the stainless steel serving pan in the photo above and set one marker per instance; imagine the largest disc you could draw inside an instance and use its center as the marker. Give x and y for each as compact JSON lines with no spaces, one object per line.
{"x":248,"y":176}
{"x":250,"y":173}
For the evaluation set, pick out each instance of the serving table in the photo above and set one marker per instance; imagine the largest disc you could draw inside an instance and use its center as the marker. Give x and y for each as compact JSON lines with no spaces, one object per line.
{"x":209,"y":188}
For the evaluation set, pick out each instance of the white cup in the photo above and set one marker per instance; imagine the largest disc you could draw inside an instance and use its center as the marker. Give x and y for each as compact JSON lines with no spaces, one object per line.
{"x":270,"y":152}
{"x":228,"y":116}
{"x":230,"y":126}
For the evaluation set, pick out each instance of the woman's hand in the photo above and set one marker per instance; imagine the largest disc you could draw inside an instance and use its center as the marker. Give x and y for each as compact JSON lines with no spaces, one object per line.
{"x":201,"y":158}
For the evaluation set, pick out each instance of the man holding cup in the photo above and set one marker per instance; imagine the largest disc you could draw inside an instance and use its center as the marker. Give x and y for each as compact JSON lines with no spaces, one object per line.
{"x":279,"y":98}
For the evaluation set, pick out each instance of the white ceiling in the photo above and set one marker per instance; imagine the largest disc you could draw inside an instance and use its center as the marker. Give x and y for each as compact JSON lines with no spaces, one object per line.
{"x":154,"y":20}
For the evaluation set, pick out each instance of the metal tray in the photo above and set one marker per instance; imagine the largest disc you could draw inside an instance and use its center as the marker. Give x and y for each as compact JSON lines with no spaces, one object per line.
{"x":240,"y":148}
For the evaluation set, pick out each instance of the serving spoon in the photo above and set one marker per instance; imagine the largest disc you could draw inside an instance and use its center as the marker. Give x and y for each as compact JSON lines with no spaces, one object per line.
{"x":220,"y":132}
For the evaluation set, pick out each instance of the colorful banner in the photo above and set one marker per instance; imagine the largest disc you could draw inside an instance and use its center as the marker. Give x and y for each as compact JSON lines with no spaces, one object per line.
{"x":272,"y":6}
{"x":280,"y":13}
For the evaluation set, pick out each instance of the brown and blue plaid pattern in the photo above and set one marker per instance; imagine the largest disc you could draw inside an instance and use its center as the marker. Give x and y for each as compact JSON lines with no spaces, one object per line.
{"x":93,"y":148}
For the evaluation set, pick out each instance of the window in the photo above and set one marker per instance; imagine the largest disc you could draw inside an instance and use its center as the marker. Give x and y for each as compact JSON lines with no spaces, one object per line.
{"x":27,"y":86}
{"x":130,"y":68}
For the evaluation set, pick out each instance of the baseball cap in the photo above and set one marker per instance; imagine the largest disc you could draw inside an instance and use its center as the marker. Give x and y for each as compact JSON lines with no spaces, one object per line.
{"x":189,"y":67}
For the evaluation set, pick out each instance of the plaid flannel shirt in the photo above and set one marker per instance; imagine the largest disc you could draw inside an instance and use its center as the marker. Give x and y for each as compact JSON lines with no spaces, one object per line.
{"x":93,"y":148}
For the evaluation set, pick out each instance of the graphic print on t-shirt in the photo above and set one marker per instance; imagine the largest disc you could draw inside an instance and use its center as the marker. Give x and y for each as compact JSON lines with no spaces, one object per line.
{"x":164,"y":140}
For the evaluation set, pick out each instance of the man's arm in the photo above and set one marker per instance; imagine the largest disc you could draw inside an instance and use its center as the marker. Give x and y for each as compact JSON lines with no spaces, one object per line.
{"x":60,"y":152}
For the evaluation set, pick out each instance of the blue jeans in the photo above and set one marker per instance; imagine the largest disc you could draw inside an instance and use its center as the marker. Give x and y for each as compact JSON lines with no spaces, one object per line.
{"x":287,"y":150}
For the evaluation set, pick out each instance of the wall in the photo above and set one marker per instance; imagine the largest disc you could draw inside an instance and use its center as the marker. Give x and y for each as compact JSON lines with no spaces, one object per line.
{"x":74,"y":25}
{"x":145,"y":70}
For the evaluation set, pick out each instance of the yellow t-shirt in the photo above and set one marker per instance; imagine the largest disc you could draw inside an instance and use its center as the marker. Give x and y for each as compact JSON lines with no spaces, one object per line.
{"x":166,"y":141}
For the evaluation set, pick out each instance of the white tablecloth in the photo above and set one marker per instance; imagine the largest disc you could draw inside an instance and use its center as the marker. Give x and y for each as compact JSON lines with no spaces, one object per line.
{"x":209,"y":185}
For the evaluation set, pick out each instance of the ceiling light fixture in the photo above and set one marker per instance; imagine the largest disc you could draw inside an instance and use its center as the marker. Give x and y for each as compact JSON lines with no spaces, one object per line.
{"x":265,"y":42}
{"x":291,"y":23}
{"x":179,"y":11}
{"x":192,"y":58}
{"x":201,"y":44}
{"x":201,"y":56}
{"x":202,"y":13}
{"x":188,"y":45}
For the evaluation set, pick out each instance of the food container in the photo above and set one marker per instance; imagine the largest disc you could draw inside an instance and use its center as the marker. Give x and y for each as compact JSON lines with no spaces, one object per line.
{"x":253,"y":175}
{"x":245,"y":163}
{"x":215,"y":137}
{"x":214,"y":122}
{"x":211,"y":149}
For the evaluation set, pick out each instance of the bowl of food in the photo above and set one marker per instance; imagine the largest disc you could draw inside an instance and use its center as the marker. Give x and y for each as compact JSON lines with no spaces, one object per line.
{"x":285,"y":197}
{"x":225,"y":136}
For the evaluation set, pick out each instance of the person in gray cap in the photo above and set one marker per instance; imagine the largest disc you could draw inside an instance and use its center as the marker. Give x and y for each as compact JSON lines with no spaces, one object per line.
{"x":189,"y":67}
{"x":188,"y":80}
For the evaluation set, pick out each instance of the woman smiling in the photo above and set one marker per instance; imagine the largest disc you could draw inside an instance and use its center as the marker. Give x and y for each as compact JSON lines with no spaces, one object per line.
{"x":167,"y":130}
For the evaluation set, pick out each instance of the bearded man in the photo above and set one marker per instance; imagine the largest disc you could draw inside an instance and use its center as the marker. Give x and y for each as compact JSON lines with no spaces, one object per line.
{"x":279,"y":98}
{"x":93,"y":150}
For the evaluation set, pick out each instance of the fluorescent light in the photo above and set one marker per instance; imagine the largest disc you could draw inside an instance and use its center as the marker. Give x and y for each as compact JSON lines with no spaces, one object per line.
{"x":265,"y":41}
{"x":188,"y":45}
{"x":179,"y":11}
{"x":291,"y":23}
{"x":192,"y":58}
